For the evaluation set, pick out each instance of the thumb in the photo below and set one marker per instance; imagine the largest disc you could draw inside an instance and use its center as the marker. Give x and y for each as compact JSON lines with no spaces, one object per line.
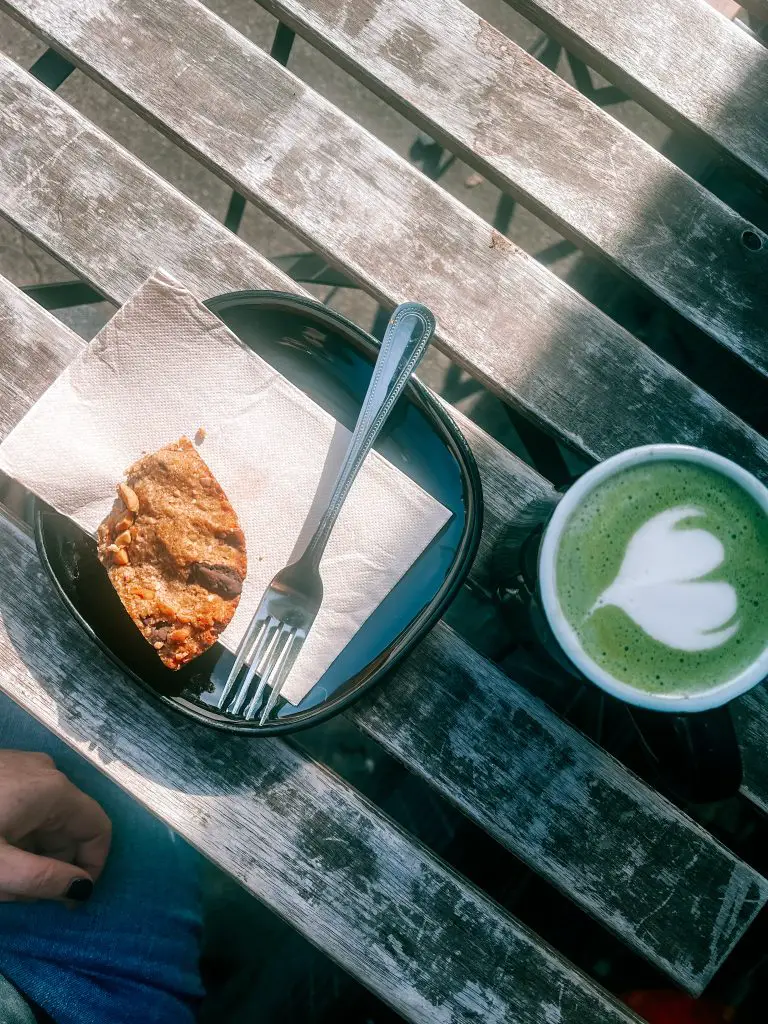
{"x":28,"y":876}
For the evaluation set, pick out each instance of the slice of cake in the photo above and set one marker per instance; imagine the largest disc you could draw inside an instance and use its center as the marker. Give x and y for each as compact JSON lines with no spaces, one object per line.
{"x":174,"y":552}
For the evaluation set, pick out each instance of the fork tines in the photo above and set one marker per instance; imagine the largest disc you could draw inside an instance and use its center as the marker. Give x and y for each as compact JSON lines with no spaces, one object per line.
{"x":268,"y":648}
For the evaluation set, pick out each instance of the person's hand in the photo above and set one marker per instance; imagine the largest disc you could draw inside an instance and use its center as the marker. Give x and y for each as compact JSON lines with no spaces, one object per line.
{"x":54,"y":839}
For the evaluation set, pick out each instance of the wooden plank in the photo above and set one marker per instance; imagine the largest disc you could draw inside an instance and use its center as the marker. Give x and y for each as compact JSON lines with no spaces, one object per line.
{"x":480,"y":716}
{"x":296,"y":836}
{"x":483,"y":96}
{"x":45,"y":197}
{"x":505,"y":318}
{"x":679,"y":58}
{"x":665,"y":897}
{"x":751,"y":716}
{"x":34,"y":349}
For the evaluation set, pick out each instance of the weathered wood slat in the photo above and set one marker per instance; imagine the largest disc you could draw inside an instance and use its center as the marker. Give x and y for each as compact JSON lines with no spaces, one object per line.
{"x":34,"y":349}
{"x":508,"y":320}
{"x":679,"y":58}
{"x":45,"y":195}
{"x":296,"y":836}
{"x":459,"y":733}
{"x":751,"y":715}
{"x":496,"y":734}
{"x":537,"y":138}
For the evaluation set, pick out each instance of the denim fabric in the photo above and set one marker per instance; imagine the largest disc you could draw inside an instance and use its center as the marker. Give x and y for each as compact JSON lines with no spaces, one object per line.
{"x":131,"y":953}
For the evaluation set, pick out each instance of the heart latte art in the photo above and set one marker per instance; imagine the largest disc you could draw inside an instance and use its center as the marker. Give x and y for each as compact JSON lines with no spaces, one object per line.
{"x":662,"y":574}
{"x":661,"y":584}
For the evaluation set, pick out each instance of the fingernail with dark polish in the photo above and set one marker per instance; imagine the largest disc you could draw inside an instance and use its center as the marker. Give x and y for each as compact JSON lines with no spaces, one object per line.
{"x":80,"y":890}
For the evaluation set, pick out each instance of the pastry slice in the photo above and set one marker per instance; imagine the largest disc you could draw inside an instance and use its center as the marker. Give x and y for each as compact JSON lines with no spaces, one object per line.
{"x":174,"y":552}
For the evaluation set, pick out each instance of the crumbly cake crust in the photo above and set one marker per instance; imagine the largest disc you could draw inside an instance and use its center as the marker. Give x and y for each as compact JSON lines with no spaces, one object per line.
{"x":175,"y":553}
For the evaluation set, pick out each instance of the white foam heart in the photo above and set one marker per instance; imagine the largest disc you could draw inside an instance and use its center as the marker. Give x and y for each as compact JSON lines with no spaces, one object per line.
{"x":660,"y":587}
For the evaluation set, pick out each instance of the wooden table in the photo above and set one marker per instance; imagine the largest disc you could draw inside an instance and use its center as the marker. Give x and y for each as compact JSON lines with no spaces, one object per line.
{"x":371,"y":896}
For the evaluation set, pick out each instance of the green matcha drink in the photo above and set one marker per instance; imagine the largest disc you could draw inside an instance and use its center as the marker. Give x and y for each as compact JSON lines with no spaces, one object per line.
{"x":661,"y":574}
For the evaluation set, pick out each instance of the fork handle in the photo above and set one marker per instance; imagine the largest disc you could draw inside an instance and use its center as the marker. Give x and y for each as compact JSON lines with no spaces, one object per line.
{"x":405,"y":341}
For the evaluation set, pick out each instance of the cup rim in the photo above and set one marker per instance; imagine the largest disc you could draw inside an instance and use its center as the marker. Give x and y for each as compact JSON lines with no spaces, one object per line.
{"x":565,"y":634}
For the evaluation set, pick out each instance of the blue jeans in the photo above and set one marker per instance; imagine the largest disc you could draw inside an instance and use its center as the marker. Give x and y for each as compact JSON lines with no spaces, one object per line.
{"x":131,"y":953}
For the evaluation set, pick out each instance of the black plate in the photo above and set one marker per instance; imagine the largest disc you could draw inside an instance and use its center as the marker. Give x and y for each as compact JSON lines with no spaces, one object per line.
{"x":330,"y":359}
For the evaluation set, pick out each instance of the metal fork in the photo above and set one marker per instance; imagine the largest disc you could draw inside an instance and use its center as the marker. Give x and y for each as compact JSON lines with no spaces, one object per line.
{"x":292,"y":600}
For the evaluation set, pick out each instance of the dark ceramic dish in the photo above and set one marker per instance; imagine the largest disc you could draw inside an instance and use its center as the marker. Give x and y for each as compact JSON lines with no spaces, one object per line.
{"x":330,"y":359}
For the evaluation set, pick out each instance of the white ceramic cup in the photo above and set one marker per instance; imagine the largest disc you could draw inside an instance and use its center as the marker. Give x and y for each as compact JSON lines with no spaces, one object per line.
{"x":566,"y":636}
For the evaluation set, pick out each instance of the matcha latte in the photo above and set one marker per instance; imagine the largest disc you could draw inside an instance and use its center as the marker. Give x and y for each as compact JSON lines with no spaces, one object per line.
{"x":659,"y":573}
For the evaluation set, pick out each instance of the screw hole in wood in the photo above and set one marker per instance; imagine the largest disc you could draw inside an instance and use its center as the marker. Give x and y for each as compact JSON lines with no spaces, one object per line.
{"x":751,"y":240}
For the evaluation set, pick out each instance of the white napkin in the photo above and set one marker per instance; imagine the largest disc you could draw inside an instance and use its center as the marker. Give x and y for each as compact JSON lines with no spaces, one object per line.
{"x":165,"y":366}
